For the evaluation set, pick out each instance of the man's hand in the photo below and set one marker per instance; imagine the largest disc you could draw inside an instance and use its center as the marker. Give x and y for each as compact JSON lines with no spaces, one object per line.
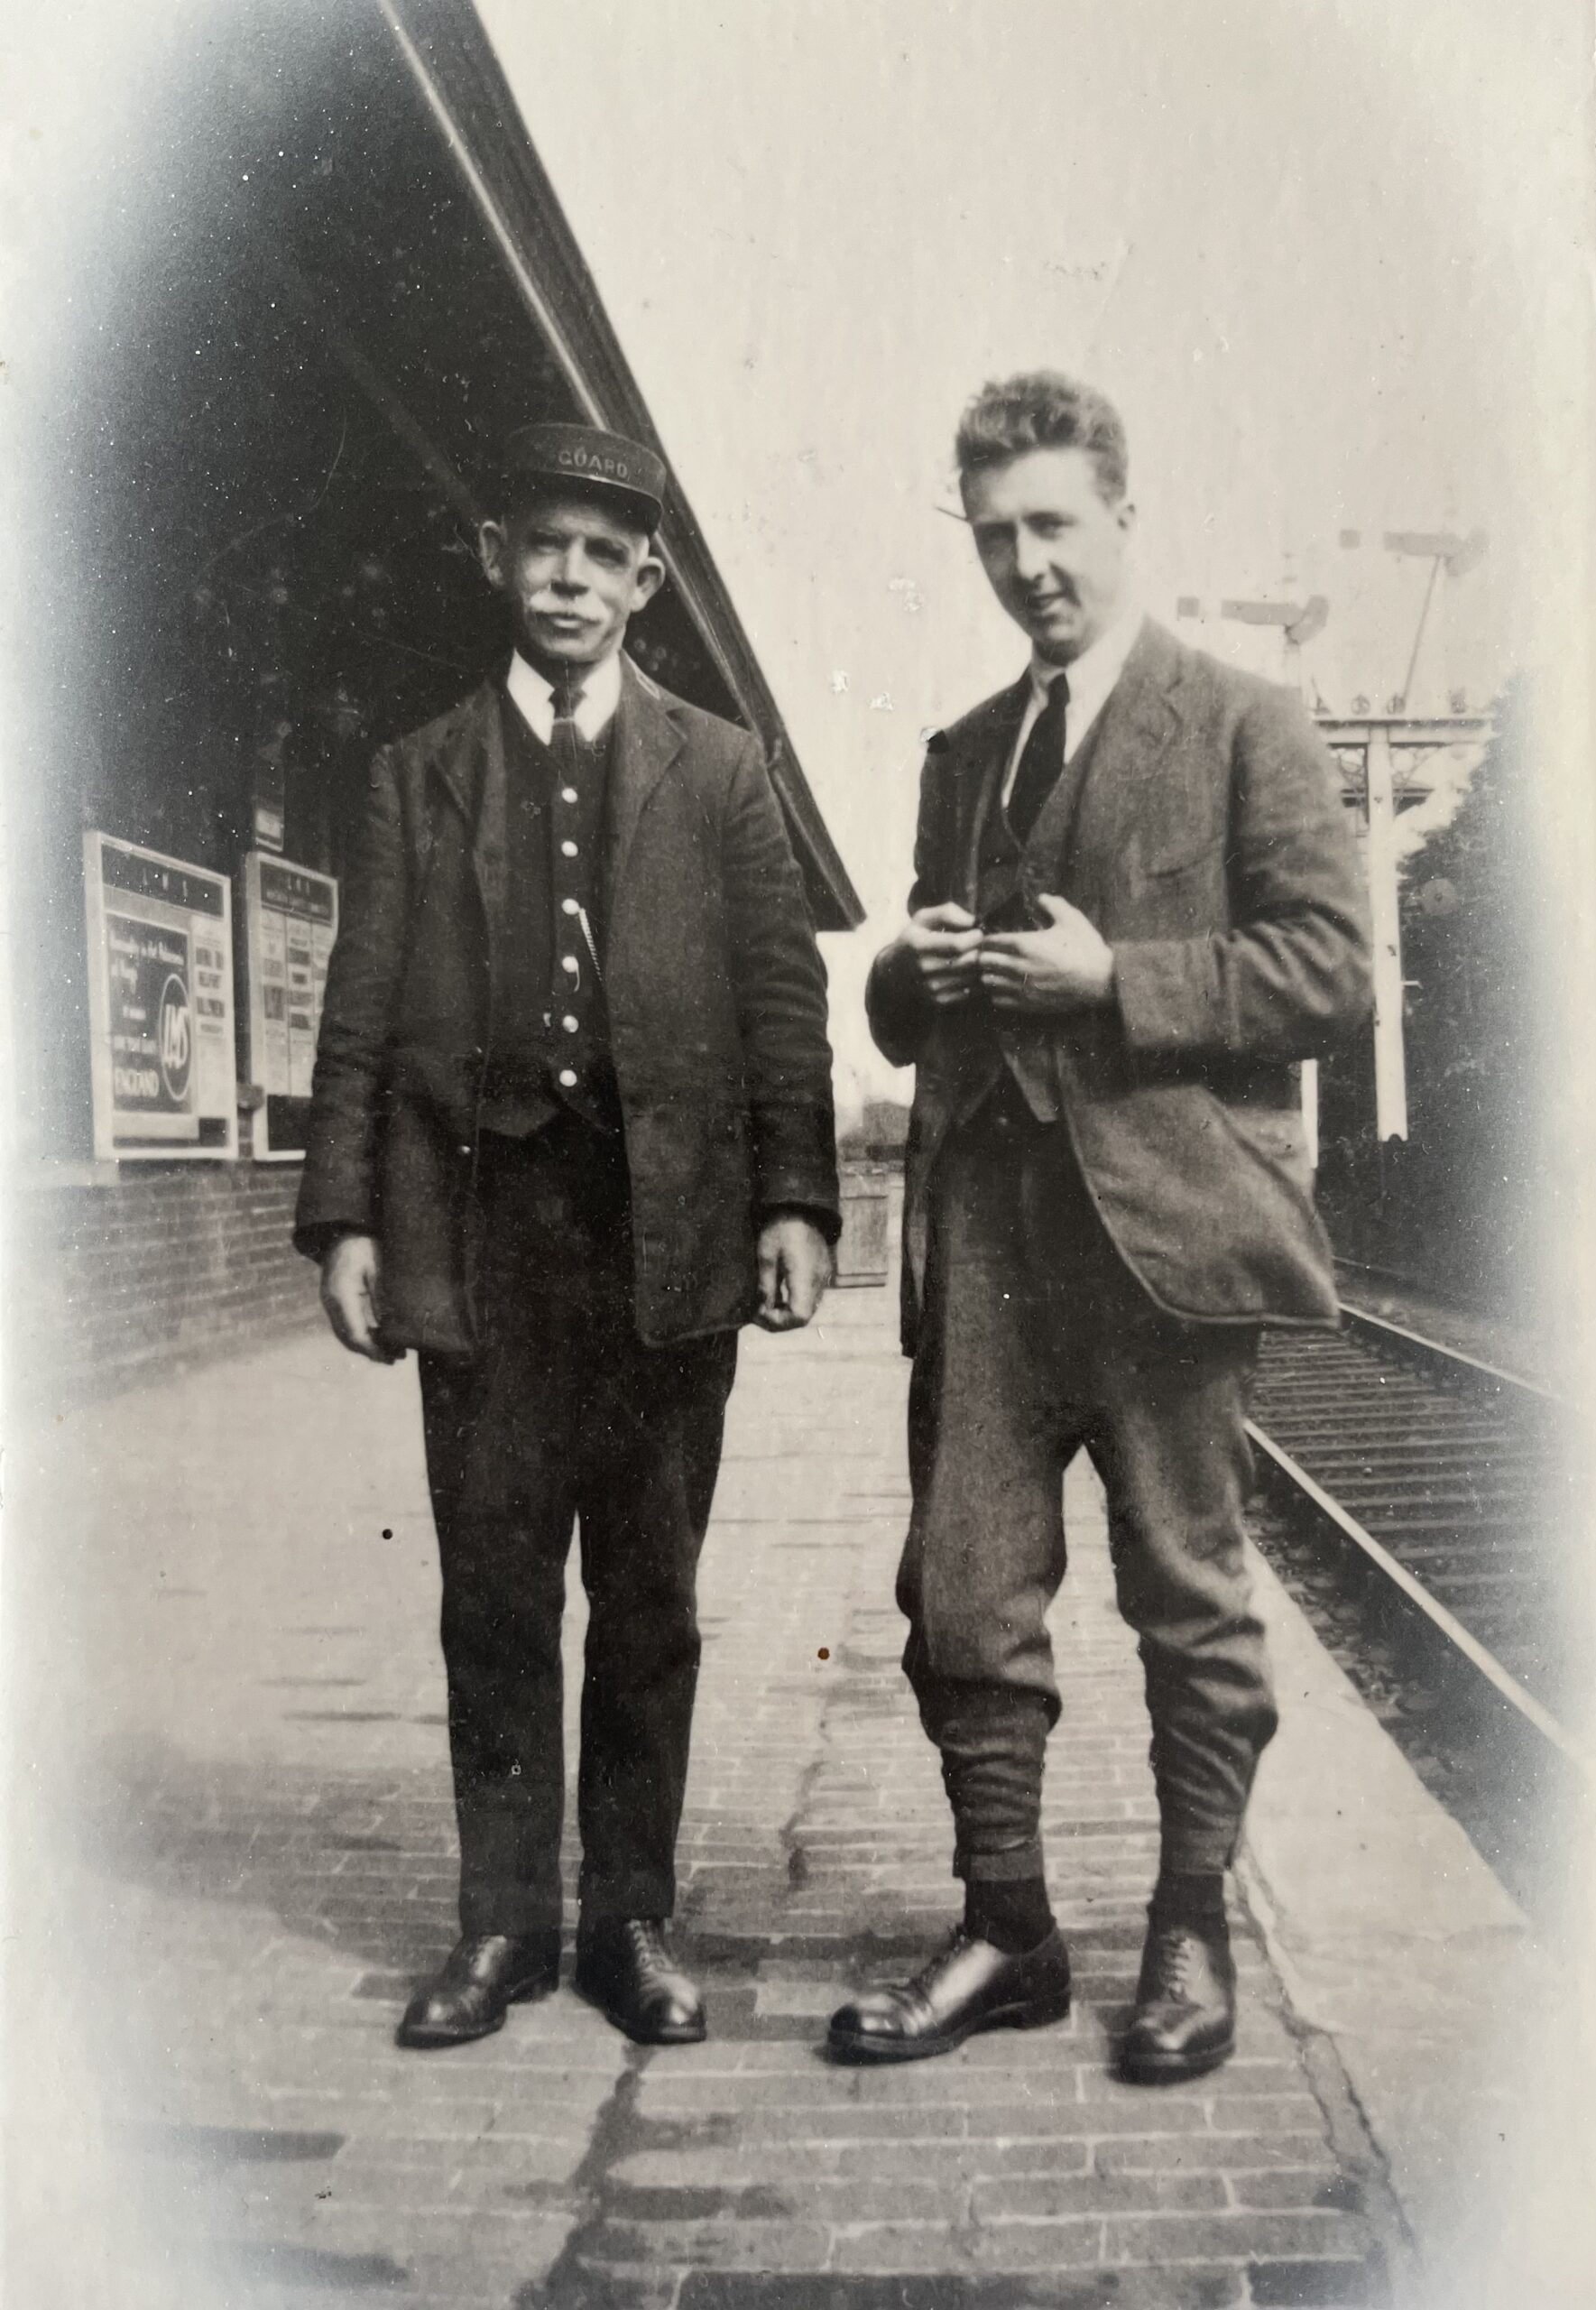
{"x":1067,"y":966}
{"x":351,"y":1276}
{"x":794,"y":1266}
{"x":945,"y":943}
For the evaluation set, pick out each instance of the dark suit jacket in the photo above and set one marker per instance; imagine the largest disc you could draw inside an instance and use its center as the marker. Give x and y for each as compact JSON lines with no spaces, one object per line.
{"x":1208,"y":843}
{"x":716,"y":1003}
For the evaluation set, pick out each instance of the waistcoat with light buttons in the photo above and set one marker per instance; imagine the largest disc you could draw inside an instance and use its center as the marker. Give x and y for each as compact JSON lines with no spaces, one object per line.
{"x":549,"y":1039}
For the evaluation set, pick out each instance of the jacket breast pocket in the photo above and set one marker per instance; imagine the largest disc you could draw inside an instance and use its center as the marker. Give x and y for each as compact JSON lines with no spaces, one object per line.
{"x":1180,"y":851}
{"x":1179,"y":822}
{"x":1173,"y":889}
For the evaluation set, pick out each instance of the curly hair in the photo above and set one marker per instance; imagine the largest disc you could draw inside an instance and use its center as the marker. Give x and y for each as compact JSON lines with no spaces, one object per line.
{"x":1042,"y":409}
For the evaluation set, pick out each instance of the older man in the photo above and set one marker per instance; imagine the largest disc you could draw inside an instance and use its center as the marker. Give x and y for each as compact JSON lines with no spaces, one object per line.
{"x":572,"y":1127}
{"x":1136,"y":908}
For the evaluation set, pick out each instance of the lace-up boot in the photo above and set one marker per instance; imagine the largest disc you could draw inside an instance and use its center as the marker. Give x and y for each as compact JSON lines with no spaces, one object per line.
{"x":1185,"y":2021}
{"x":626,"y":1969}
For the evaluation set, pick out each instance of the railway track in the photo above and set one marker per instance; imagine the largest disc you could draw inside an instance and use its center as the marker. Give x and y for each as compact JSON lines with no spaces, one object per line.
{"x":1437,"y":1488}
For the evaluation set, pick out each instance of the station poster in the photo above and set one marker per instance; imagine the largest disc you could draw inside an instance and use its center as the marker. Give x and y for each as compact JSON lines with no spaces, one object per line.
{"x":291,"y":919}
{"x":162,"y":1064}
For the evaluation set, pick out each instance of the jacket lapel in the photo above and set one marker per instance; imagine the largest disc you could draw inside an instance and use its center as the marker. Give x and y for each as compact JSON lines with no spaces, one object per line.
{"x":1140,"y":718}
{"x":647,"y":740}
{"x":459,"y":762}
{"x":989,"y":747}
{"x":491,"y":837}
{"x":469,"y":769}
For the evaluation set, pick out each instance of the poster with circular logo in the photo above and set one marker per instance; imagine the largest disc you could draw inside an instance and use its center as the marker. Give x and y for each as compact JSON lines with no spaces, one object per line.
{"x":161,"y":1003}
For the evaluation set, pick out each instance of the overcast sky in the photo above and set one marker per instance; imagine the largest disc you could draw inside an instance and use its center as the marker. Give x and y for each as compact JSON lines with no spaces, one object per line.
{"x":1323,"y":257}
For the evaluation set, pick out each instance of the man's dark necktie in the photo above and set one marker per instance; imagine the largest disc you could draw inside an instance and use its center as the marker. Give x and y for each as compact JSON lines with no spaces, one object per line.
{"x":566,"y":740}
{"x":1041,"y":762}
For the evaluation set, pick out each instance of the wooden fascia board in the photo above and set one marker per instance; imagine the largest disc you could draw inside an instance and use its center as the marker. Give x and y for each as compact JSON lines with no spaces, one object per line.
{"x":454,"y":65}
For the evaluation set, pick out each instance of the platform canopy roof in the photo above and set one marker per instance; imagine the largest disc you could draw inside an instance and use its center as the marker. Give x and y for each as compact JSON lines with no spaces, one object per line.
{"x":333,"y":277}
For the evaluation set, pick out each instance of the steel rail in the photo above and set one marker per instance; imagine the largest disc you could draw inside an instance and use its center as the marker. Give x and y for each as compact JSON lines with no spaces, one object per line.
{"x":1434,"y":1356}
{"x":1423,"y":1358}
{"x":1329,"y":1511}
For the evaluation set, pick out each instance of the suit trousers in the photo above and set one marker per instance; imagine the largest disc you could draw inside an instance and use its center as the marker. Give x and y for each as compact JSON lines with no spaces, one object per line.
{"x":564,"y":1419}
{"x":1036,"y":1342}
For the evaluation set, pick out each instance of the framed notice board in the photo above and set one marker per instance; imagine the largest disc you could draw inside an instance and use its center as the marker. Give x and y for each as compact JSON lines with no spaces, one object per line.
{"x":291,"y":919}
{"x":160,"y":936}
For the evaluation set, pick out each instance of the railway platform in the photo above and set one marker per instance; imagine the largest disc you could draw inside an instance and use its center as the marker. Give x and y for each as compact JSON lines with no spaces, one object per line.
{"x":237,"y":1818}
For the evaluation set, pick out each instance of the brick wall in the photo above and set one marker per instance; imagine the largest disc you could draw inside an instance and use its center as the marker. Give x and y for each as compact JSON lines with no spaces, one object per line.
{"x":167,"y":1264}
{"x":118,"y":1279}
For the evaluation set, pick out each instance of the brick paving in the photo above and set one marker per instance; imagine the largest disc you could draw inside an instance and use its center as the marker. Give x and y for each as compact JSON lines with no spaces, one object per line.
{"x":264,"y":1859}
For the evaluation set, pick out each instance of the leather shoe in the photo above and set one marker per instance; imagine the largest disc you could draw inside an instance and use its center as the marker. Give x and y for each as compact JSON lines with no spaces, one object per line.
{"x":967,"y":1986}
{"x":1185,"y":2021}
{"x":481,"y":1978}
{"x":624,"y":1968}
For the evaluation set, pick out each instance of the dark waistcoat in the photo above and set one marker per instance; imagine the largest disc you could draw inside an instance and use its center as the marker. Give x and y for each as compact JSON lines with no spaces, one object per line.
{"x":551,"y":1021}
{"x":1024,"y":1049}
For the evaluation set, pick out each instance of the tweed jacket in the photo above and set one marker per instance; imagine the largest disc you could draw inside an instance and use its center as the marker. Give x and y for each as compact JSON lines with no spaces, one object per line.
{"x":1207,"y":842}
{"x":716,"y":1002}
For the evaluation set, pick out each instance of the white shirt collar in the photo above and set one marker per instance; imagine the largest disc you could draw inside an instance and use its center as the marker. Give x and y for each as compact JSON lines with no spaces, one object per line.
{"x":1092,"y":674}
{"x":1091,"y":679}
{"x":534,"y":697}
